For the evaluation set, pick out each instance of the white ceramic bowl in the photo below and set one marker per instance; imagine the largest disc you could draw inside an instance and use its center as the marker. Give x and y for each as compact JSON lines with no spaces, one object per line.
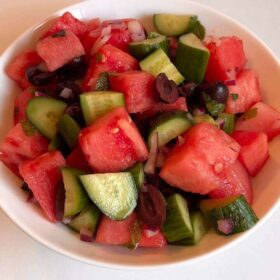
{"x":62,"y":240}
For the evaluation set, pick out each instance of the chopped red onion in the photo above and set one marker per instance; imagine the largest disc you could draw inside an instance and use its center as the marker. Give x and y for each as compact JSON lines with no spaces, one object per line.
{"x":66,"y":93}
{"x":150,"y":233}
{"x":118,"y":26}
{"x":137,"y":32}
{"x":150,"y":165}
{"x":67,"y":220}
{"x":230,"y":82}
{"x":161,"y":156}
{"x":102,"y":40}
{"x":86,"y":235}
{"x":199,"y":111}
{"x":225,"y":226}
{"x":221,"y":123}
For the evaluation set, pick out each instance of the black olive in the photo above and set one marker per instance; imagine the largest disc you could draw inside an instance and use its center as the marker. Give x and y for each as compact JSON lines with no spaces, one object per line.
{"x":74,"y":70}
{"x":74,"y":110}
{"x":218,"y":91}
{"x":39,"y":78}
{"x":187,"y":89}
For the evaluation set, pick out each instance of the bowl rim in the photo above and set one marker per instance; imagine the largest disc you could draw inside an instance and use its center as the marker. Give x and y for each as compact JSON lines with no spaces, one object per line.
{"x":103,"y":264}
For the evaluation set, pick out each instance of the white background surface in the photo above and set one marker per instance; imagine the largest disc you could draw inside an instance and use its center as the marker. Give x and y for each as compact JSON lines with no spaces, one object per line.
{"x":255,"y":258}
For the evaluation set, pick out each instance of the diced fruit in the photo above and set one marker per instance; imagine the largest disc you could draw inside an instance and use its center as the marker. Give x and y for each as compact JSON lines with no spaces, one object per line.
{"x":178,"y":224}
{"x":159,"y":62}
{"x":21,"y":143}
{"x":137,"y":172}
{"x":60,"y":48}
{"x":234,"y":180}
{"x":168,"y":126}
{"x":227,"y":59}
{"x":69,"y":130}
{"x":120,"y":39}
{"x":192,"y":58}
{"x":234,"y":212}
{"x":76,"y":159}
{"x":254,"y":150}
{"x":143,"y":48}
{"x":97,"y":103}
{"x":113,"y":143}
{"x":108,"y":59}
{"x":245,"y":93}
{"x":115,"y":194}
{"x":138,"y":89}
{"x":87,"y":219}
{"x":152,"y":239}
{"x":21,"y":102}
{"x":75,"y":196}
{"x":226,"y":122}
{"x":193,"y":166}
{"x":115,"y":232}
{"x":200,"y":227}
{"x":67,"y":22}
{"x":43,"y":176}
{"x":44,"y":113}
{"x":261,"y":118}
{"x":16,"y":69}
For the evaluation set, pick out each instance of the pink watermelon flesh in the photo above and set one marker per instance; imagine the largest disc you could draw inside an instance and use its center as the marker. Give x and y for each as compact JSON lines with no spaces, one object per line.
{"x":227,"y":59}
{"x":265,"y":119}
{"x":234,"y":180}
{"x":21,"y":144}
{"x":196,"y":164}
{"x":248,"y":91}
{"x":254,"y":150}
{"x":43,"y":176}
{"x":16,"y":69}
{"x":113,"y":143}
{"x":138,"y":89}
{"x":58,"y":51}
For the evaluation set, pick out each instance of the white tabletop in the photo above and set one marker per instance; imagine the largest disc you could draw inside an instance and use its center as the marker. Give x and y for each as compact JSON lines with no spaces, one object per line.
{"x":255,"y":258}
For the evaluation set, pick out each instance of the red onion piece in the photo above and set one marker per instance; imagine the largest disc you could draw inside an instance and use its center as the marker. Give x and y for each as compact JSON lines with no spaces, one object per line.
{"x":102,"y":40}
{"x":150,"y":233}
{"x":199,"y":111}
{"x":150,"y":165}
{"x":67,"y":220}
{"x":136,"y":30}
{"x":38,"y":93}
{"x":221,"y":123}
{"x":118,"y":26}
{"x":86,"y":235}
{"x":161,"y":156}
{"x":230,"y":82}
{"x":66,"y":93}
{"x":225,"y":226}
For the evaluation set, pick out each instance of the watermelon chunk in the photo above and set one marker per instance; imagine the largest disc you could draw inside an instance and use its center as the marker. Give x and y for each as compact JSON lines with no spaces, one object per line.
{"x":195,"y":164}
{"x":67,"y":22}
{"x":108,"y":59}
{"x":21,"y":143}
{"x":263,"y":118}
{"x":254,"y":150}
{"x":152,"y":239}
{"x":227,"y":59}
{"x":21,"y":102}
{"x":57,"y":51}
{"x":138,"y":88}
{"x":120,"y":39}
{"x":113,"y":143}
{"x":16,"y":69}
{"x":43,"y":176}
{"x":234,"y":181}
{"x":247,"y":90}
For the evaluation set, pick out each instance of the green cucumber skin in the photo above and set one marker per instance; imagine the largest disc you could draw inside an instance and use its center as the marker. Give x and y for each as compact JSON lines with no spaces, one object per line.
{"x":239,"y":211}
{"x":191,"y":62}
{"x":137,"y":171}
{"x":76,"y":197}
{"x":176,"y":227}
{"x":205,"y":118}
{"x":87,"y":219}
{"x":229,"y":120}
{"x":44,"y":113}
{"x":69,"y":130}
{"x":166,"y":122}
{"x":114,"y":185}
{"x":200,"y":228}
{"x":140,"y":50}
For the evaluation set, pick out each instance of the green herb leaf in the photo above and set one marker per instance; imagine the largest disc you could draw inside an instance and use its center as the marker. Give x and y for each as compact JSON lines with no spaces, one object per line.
{"x":252,"y":113}
{"x":135,"y":235}
{"x":28,"y":128}
{"x":102,"y":82}
{"x":100,"y":57}
{"x":60,"y":33}
{"x":234,"y":96}
{"x":212,"y":106}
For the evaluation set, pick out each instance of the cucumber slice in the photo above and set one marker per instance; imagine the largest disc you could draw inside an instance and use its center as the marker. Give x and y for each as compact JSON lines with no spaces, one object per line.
{"x":56,"y":143}
{"x":178,"y":224}
{"x":87,"y":219}
{"x":75,"y":196}
{"x":152,"y":35}
{"x":69,"y":130}
{"x":205,"y":118}
{"x":115,"y":194}
{"x":141,"y":49}
{"x":228,"y":120}
{"x":159,"y":62}
{"x":174,"y":25}
{"x":169,"y":126}
{"x":235,"y":209}
{"x":44,"y":113}
{"x":192,"y":58}
{"x":137,"y":172}
{"x":200,"y":227}
{"x":97,"y":103}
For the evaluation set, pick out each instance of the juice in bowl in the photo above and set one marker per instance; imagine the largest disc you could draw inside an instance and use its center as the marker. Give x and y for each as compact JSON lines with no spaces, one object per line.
{"x":153,"y":135}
